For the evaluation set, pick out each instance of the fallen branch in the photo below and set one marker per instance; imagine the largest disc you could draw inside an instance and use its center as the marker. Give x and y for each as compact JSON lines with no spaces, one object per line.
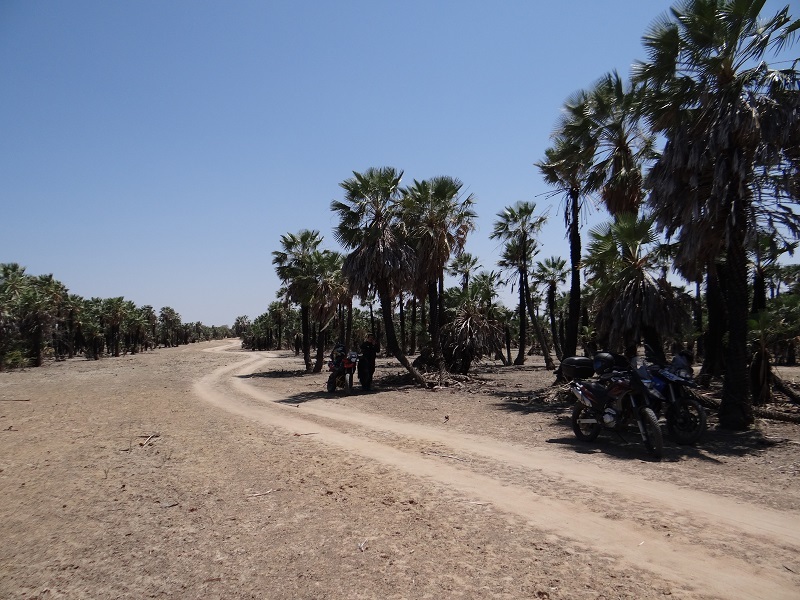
{"x":310,"y":433}
{"x":784,"y":389}
{"x":761,"y":413}
{"x":257,"y":494}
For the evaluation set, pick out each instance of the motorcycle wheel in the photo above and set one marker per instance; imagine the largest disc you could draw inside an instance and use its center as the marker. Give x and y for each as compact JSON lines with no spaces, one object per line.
{"x":653,"y":439}
{"x":332,"y":383}
{"x":348,"y":383}
{"x":586,"y":432}
{"x":686,"y":421}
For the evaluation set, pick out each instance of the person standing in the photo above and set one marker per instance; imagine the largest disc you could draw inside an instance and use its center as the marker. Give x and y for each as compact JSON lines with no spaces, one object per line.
{"x":366,"y":363}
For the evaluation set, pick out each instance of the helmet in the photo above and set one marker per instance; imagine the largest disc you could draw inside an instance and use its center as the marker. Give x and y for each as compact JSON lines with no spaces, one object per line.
{"x":603,"y":363}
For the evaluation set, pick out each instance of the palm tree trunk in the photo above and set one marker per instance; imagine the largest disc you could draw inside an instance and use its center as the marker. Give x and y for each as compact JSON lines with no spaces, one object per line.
{"x":391,"y":338}
{"x":523,"y":321}
{"x":573,"y":318}
{"x":403,"y":345}
{"x":713,"y":362}
{"x":413,"y":325}
{"x":305,"y":326}
{"x":320,"y":360}
{"x":736,"y":410}
{"x":537,"y":328}
{"x":551,"y":308}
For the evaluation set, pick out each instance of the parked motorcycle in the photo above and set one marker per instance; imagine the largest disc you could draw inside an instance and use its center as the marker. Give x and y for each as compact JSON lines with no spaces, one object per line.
{"x":685,"y":416}
{"x":342,"y":366}
{"x":613,"y":403}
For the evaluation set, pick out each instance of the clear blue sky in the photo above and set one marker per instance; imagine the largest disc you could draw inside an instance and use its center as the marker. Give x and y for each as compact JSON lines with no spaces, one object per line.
{"x":158,"y":150}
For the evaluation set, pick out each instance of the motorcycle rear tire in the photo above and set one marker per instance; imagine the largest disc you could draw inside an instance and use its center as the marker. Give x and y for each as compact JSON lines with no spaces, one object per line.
{"x":332,"y":383}
{"x":686,"y":421}
{"x":586,"y":432}
{"x":653,"y":439}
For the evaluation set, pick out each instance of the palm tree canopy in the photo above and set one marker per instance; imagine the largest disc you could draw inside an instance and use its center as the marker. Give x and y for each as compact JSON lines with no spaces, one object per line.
{"x":293,"y":263}
{"x":622,"y":259}
{"x":437,"y":218}
{"x":732,"y":124}
{"x":369,"y":226}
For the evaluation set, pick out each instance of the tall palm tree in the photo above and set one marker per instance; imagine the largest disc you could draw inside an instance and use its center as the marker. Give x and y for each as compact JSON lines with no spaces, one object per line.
{"x":726,"y":115}
{"x":566,"y":167}
{"x":552,"y":272}
{"x":380,"y":258}
{"x":294,"y":266}
{"x":436,"y":217}
{"x":517,"y":226}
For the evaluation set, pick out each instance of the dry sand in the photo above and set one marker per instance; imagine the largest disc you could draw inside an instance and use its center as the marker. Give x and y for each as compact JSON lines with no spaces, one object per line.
{"x":208,"y":472}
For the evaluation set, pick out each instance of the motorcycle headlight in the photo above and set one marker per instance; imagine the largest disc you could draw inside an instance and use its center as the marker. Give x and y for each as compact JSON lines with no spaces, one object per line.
{"x":685,"y":372}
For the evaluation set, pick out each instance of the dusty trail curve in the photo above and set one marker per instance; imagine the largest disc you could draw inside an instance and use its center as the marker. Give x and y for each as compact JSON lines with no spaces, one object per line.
{"x":704,"y":558}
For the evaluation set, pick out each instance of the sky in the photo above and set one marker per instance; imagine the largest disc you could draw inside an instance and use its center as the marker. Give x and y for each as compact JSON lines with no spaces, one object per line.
{"x":158,"y":150}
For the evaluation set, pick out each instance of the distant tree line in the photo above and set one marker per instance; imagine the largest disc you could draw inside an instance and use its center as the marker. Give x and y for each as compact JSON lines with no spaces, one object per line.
{"x":39,"y":318}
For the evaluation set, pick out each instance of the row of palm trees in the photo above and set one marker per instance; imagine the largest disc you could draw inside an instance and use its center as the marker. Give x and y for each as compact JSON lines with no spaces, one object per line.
{"x":722,"y":191}
{"x":727,"y":173}
{"x":39,"y":317}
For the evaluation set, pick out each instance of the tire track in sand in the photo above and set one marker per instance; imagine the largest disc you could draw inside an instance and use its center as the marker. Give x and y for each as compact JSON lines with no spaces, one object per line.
{"x":689,"y":565}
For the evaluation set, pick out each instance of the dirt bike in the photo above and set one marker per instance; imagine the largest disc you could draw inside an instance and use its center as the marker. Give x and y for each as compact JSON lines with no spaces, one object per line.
{"x":613,"y":404}
{"x":685,"y":416}
{"x":342,"y":366}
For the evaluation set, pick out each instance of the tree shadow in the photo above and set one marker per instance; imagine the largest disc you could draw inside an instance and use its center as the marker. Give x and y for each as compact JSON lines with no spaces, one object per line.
{"x":282,"y":374}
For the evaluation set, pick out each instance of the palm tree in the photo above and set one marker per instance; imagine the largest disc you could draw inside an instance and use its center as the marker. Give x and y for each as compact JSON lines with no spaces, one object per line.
{"x":566,"y":167}
{"x":380,"y":258}
{"x":727,"y":116}
{"x":113,"y":316}
{"x":293,"y":264}
{"x":462,"y":266}
{"x":328,"y":291}
{"x":170,"y":325}
{"x":612,"y":125}
{"x":436,"y":218}
{"x":632,"y":302}
{"x":517,"y":226}
{"x":552,"y":272}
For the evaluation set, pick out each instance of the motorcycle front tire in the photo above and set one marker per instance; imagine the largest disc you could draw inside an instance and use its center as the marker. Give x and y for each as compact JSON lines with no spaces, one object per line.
{"x":653,"y":439}
{"x":686,"y":420}
{"x":348,"y":383}
{"x":586,"y":432}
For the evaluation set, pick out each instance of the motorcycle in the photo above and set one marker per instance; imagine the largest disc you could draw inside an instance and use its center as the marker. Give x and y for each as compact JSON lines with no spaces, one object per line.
{"x":619,"y":399}
{"x":685,"y":416}
{"x":342,"y":367}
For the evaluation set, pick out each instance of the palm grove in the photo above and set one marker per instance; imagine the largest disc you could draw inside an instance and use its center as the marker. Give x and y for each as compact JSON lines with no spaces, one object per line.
{"x":696,"y":158}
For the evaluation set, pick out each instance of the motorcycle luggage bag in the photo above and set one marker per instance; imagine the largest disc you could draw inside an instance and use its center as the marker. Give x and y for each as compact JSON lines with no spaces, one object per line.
{"x":577,"y":367}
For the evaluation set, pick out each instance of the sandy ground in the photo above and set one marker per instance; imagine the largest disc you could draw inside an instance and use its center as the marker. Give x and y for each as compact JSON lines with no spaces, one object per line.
{"x":209,"y":472}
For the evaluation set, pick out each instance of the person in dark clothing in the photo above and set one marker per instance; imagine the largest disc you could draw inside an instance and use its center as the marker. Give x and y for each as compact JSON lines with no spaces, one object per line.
{"x":298,"y":343}
{"x":366,"y":363}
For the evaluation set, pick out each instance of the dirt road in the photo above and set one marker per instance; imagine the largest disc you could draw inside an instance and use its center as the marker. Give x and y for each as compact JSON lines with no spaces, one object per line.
{"x":718,"y":547}
{"x":208,"y":472}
